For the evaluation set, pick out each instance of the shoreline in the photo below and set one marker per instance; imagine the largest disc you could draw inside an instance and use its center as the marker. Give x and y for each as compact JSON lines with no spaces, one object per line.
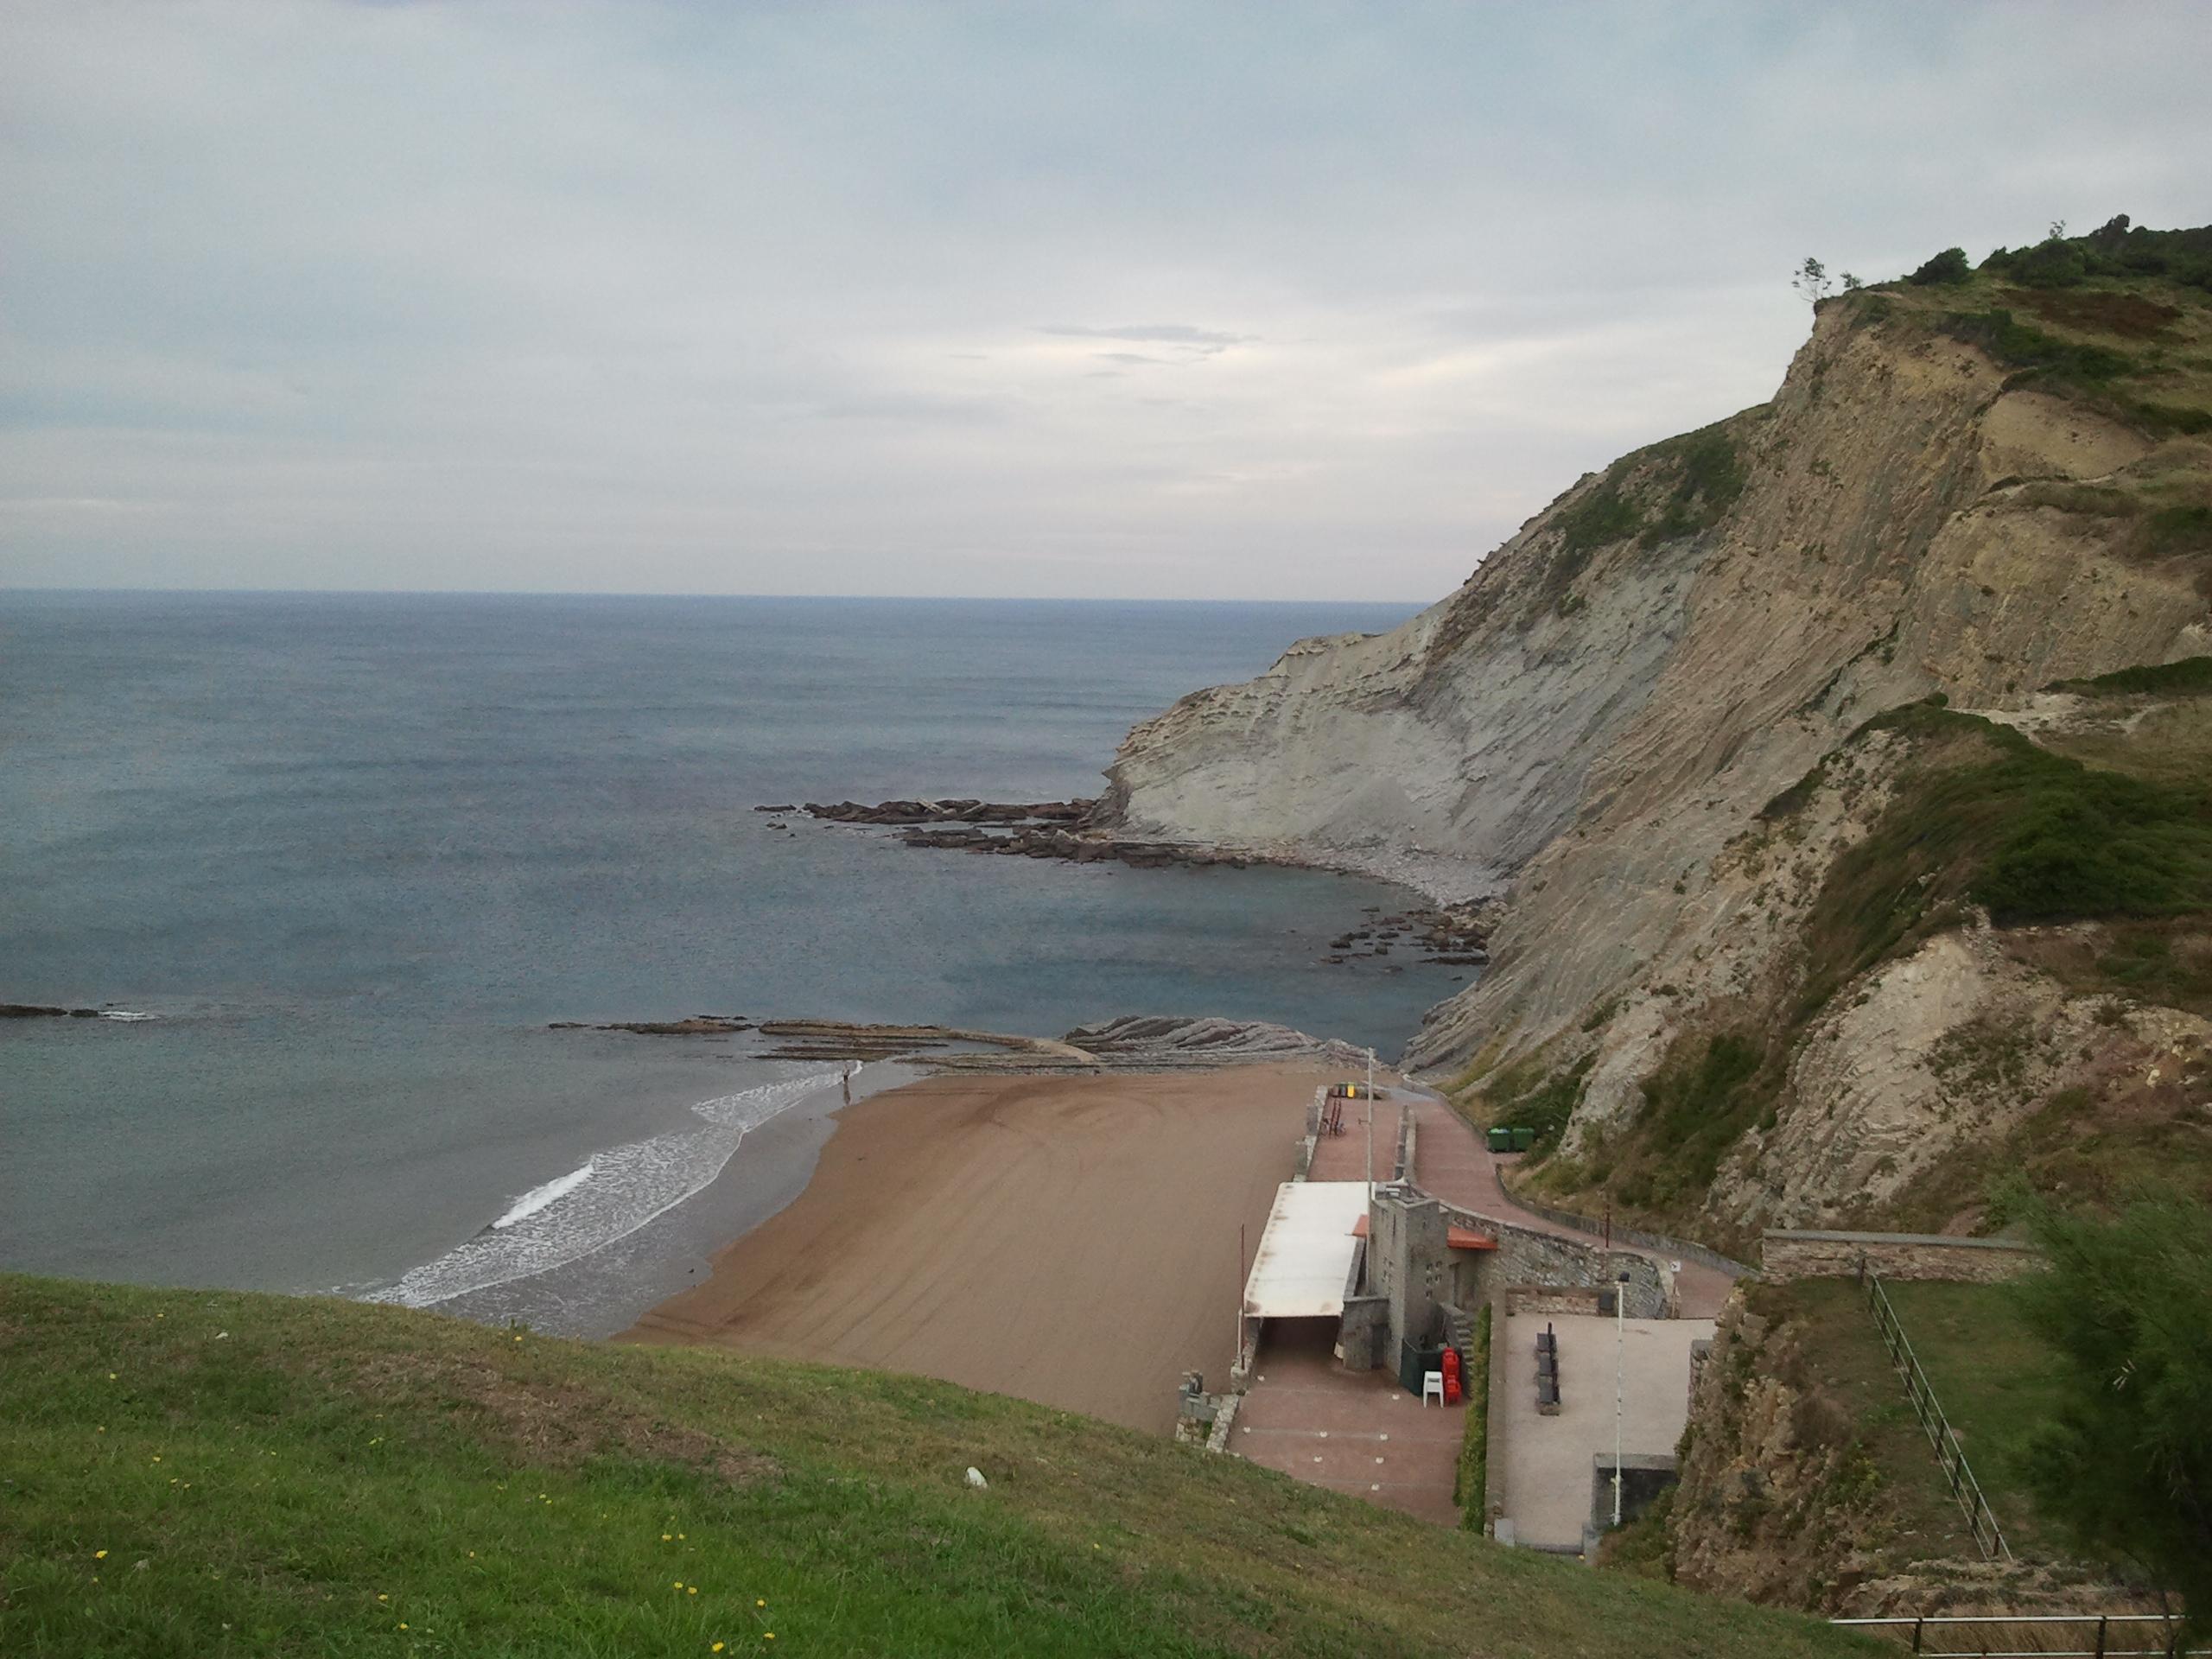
{"x":1071,"y":1240}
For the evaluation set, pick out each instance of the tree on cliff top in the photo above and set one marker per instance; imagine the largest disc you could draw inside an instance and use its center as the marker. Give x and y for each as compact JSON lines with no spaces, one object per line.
{"x":2126,"y":1466}
{"x":1811,"y":281}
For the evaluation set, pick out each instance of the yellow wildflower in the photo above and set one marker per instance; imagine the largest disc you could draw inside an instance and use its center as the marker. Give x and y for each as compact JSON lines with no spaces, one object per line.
{"x":717,"y":1648}
{"x":99,"y":1555}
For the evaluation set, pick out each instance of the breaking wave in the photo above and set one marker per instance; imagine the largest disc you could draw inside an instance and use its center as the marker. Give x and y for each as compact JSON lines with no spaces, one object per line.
{"x":618,"y":1191}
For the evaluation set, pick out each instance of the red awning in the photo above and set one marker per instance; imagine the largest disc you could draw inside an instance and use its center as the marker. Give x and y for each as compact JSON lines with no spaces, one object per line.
{"x":1459,"y":1238}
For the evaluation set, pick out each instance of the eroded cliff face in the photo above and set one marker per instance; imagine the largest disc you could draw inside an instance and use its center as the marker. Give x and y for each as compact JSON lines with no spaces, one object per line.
{"x":1596,"y":721}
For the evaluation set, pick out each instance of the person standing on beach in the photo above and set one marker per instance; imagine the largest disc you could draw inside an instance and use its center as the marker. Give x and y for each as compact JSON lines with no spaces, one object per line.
{"x":846,"y":1078}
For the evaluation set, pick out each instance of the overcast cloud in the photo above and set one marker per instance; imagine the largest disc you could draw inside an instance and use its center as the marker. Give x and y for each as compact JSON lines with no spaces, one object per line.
{"x":1271,"y":300}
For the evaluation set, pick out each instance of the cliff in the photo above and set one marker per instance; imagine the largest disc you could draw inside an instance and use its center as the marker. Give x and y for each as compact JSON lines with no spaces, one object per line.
{"x":1965,"y":492}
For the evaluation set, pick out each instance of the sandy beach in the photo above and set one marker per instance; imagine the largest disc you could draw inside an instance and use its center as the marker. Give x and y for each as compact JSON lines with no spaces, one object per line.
{"x":1071,"y":1240}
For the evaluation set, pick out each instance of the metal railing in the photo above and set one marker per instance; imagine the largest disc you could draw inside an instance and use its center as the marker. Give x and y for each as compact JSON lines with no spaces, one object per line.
{"x":1981,"y":1519}
{"x":1982,"y":1631}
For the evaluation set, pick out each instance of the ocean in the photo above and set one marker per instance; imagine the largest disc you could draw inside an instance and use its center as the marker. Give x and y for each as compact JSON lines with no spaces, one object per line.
{"x":355,"y":852}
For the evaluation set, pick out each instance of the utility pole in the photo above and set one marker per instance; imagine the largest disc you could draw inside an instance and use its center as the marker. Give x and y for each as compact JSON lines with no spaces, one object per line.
{"x":1620,"y":1352}
{"x":1237,"y":1352}
{"x":1370,"y":1127}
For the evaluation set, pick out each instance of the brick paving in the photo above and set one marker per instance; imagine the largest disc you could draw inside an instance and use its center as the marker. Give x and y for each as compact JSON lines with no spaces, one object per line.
{"x":1343,"y":1157}
{"x":1354,"y":1432}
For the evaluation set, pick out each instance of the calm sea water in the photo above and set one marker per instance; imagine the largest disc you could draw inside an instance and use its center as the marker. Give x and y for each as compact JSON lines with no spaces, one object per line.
{"x":356,"y":851}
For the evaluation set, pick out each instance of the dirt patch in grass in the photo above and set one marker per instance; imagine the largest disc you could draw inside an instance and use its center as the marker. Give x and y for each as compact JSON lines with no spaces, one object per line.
{"x":545,"y":1424}
{"x":2096,"y":310}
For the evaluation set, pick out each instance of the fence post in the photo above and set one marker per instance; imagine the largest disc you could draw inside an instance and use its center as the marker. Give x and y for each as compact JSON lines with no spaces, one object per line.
{"x":1918,"y":1624}
{"x":2102,"y":1620}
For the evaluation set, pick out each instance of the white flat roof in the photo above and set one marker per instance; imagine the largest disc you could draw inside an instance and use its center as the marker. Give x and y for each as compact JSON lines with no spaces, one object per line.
{"x":1305,"y":1252}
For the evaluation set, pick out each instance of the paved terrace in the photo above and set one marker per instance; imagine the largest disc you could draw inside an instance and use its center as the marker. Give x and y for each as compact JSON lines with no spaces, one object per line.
{"x":1548,"y":1460}
{"x":1354,"y":1432}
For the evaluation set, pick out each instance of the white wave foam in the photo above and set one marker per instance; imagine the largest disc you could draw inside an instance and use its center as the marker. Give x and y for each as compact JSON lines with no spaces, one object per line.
{"x":538,"y":1196}
{"x":610,"y":1198}
{"x":126,"y":1013}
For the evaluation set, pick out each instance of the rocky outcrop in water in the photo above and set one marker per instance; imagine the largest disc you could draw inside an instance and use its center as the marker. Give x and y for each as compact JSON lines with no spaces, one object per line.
{"x":1168,"y":1042}
{"x":898,"y":813}
{"x":698,"y":1024}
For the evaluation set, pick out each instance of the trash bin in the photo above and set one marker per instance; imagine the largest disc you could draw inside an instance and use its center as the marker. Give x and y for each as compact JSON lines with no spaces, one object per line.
{"x":1501,"y":1139}
{"x":1523,"y":1139}
{"x":1413,"y":1363}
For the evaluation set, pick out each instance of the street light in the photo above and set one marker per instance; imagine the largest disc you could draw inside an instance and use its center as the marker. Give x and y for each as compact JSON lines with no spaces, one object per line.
{"x":1620,"y":1351}
{"x":1371,"y":1126}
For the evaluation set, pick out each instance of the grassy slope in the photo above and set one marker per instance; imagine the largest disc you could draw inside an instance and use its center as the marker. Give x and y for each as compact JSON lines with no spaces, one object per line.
{"x":1995,"y":1380}
{"x":1999,"y":1383}
{"x":331,"y":1478}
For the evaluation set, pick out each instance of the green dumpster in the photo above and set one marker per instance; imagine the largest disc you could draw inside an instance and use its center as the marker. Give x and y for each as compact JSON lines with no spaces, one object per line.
{"x":1413,"y":1363}
{"x":1523,"y":1139}
{"x":1501,"y":1139}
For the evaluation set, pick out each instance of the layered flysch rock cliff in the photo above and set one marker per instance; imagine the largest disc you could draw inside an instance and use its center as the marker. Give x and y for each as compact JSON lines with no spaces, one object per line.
{"x":1963,"y":491}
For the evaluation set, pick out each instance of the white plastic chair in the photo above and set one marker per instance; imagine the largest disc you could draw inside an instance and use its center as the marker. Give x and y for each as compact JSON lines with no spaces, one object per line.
{"x":1432,"y":1388}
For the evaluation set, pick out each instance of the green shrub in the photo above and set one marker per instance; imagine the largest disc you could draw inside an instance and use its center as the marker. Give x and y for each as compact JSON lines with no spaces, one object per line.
{"x":2171,"y":417}
{"x":1471,"y":1480}
{"x":2190,"y":675}
{"x":1946,"y":268}
{"x":2032,"y":835}
{"x":1698,"y":1108}
{"x":1709,"y":477}
{"x":2054,"y":264}
{"x":2181,"y":529}
{"x":1603,"y":516}
{"x":2022,"y":345}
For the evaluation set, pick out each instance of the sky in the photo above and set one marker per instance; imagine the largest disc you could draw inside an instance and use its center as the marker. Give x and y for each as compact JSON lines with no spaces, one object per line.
{"x":1280,"y":301}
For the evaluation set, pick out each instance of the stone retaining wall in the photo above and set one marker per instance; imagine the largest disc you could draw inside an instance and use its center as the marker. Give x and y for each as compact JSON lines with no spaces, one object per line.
{"x":1636,"y":1236}
{"x":1788,"y":1254}
{"x":1525,"y":1257}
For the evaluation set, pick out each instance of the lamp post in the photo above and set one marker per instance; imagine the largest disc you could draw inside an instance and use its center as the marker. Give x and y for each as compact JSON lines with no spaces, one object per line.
{"x":1620,"y":1352}
{"x":1371,"y":1126}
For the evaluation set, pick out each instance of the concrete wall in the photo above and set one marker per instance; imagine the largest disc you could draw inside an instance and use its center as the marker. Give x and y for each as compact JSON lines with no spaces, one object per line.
{"x":1364,"y":1333}
{"x":1626,"y":1235}
{"x":1785,"y":1256}
{"x":1407,"y":1261}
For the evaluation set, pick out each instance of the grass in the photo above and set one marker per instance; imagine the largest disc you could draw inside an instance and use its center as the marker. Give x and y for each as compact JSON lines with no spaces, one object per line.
{"x":1999,"y":1383}
{"x":1471,"y":1480}
{"x":2190,"y":676}
{"x":1839,"y":1353}
{"x":1986,"y":815}
{"x":1996,"y":1381}
{"x":225,"y":1473}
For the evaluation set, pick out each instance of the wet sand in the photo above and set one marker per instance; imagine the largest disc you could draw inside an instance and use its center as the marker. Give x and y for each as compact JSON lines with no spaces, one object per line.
{"x":1071,"y":1240}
